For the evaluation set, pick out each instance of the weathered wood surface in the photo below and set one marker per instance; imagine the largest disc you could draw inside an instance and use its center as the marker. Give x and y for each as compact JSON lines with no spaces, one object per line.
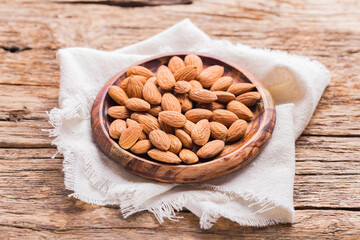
{"x":33,"y":202}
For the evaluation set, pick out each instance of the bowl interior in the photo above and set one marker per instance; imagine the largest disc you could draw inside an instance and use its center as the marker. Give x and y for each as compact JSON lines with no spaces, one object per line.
{"x":233,"y":156}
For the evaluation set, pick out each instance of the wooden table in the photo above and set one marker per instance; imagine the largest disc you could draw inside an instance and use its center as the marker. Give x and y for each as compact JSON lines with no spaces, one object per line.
{"x":33,"y":200}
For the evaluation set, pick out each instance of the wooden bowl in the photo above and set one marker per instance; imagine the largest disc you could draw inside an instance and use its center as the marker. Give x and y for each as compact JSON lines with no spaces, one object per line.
{"x":233,"y":156}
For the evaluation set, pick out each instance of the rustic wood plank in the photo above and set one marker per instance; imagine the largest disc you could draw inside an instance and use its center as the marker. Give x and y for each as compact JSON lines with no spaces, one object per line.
{"x":106,"y":223}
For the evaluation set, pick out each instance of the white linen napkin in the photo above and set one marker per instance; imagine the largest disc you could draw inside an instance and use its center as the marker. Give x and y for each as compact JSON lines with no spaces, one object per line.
{"x":260,"y":194}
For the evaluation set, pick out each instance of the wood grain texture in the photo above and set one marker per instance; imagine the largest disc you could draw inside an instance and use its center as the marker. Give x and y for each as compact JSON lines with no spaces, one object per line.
{"x":33,"y":201}
{"x":243,"y":151}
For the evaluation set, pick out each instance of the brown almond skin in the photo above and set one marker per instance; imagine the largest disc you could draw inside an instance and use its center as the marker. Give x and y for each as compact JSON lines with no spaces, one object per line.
{"x":240,"y":88}
{"x":185,"y":102}
{"x":210,"y":75}
{"x":201,"y":132}
{"x":224,"y":97}
{"x":153,"y":81}
{"x":149,"y":123}
{"x":117,"y":127}
{"x":211,"y":149}
{"x":202,"y":96}
{"x":137,"y":104}
{"x":188,"y":157}
{"x":195,"y":84}
{"x":130,"y":122}
{"x":118,"y":95}
{"x":165,"y":78}
{"x":141,"y":71}
{"x":249,"y":99}
{"x":237,"y":130}
{"x":182,"y":87}
{"x":134,"y":88}
{"x":185,"y":74}
{"x":196,"y":61}
{"x":175,"y":144}
{"x":159,"y":139}
{"x":123,"y":84}
{"x":242,"y":111}
{"x":184,"y":138}
{"x":151,"y":93}
{"x":211,"y":106}
{"x":224,"y":116}
{"x":129,"y":137}
{"x":170,"y":103}
{"x":164,"y":156}
{"x":222,"y":84}
{"x":175,"y":64}
{"x":141,"y":147}
{"x":155,"y":110}
{"x":172,"y":118}
{"x":197,"y":114}
{"x":188,"y":127}
{"x":118,"y":112}
{"x":218,"y":131}
{"x":166,"y":128}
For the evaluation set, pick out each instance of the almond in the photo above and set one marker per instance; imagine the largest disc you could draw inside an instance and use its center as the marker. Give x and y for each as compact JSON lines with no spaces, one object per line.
{"x":175,"y":144}
{"x":242,"y":111}
{"x":222,"y":84}
{"x":210,"y":75}
{"x":151,"y":93}
{"x":240,"y":88}
{"x":211,"y":149}
{"x":224,"y":97}
{"x":185,"y":74}
{"x":172,"y":118}
{"x":218,"y":131}
{"x":196,"y":61}
{"x":170,"y":103}
{"x":150,"y":123}
{"x":182,"y":87}
{"x":154,"y":110}
{"x":141,"y":147}
{"x":118,"y":95}
{"x":123,"y":84}
{"x":211,"y":106}
{"x":159,"y":139}
{"x":165,"y":78}
{"x":117,"y":127}
{"x":202,"y":95}
{"x":134,"y":88}
{"x":224,"y":116}
{"x":152,"y":80}
{"x":137,"y":104}
{"x":135,"y":115}
{"x":166,"y":128}
{"x":175,"y":63}
{"x":201,"y":132}
{"x":188,"y":156}
{"x":237,"y":130}
{"x":195,"y":84}
{"x":184,"y":138}
{"x":249,"y":98}
{"x":130,"y":123}
{"x":188,"y":127}
{"x":141,"y":71}
{"x":197,"y":114}
{"x":129,"y":137}
{"x":185,"y":102}
{"x":164,"y":156}
{"x":120,"y":112}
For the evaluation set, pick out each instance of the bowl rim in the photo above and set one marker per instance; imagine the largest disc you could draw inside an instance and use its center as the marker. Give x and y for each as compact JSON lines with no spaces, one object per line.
{"x":262,"y":135}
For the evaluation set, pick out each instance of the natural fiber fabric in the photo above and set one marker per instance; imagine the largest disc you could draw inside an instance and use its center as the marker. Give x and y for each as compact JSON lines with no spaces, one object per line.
{"x":258,"y":195}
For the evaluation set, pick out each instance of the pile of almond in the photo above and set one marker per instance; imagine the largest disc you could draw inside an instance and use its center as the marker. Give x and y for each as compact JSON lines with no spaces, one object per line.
{"x":184,"y":113}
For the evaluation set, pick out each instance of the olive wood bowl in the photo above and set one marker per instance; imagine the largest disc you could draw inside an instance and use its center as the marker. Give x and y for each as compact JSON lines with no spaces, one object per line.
{"x":233,"y":157}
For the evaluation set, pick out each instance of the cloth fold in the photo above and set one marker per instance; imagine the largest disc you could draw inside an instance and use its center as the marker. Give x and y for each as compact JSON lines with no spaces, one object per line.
{"x":259,"y":194}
